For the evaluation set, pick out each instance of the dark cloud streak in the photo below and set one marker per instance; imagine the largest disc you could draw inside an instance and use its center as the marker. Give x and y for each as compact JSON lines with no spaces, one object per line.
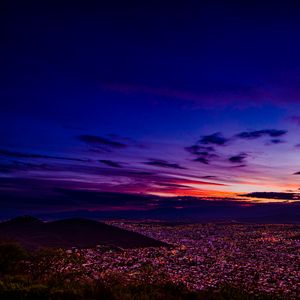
{"x":16,"y":154}
{"x":101,"y":142}
{"x":163,"y":163}
{"x":240,"y":158}
{"x":260,"y":133}
{"x":274,"y":195}
{"x":202,"y":160}
{"x":111,"y":163}
{"x":214,"y":139}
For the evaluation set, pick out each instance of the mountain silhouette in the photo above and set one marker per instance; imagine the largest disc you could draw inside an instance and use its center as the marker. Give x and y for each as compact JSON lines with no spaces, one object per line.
{"x":33,"y":233}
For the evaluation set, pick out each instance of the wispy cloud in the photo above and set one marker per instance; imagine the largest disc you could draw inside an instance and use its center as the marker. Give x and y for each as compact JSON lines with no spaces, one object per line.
{"x":276,"y":141}
{"x":202,"y":160}
{"x":239,"y":158}
{"x":274,"y":195}
{"x":111,"y":163}
{"x":204,"y":154}
{"x":209,"y":177}
{"x":260,"y":133}
{"x":214,"y":139}
{"x":15,"y":154}
{"x":200,"y":150}
{"x":102,"y":143}
{"x":163,"y":163}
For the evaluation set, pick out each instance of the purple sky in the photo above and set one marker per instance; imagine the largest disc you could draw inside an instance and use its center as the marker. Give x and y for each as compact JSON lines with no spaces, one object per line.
{"x":198,"y":99}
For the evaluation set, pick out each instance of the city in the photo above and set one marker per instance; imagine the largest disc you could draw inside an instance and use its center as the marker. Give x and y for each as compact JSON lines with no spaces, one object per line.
{"x":258,"y":258}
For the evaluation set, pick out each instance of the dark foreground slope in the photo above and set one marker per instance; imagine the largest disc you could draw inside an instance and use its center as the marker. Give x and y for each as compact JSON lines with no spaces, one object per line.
{"x":33,"y":233}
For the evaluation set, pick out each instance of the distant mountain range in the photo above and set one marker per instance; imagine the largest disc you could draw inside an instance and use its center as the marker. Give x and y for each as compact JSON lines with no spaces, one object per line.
{"x":107,"y":205}
{"x":33,"y":233}
{"x":204,"y":213}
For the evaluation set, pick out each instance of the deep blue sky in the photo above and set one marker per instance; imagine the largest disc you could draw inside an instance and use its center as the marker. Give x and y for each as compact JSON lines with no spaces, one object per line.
{"x":199,"y":98}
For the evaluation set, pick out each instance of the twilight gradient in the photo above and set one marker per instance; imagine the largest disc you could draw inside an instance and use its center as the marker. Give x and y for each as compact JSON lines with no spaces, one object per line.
{"x":168,"y":100}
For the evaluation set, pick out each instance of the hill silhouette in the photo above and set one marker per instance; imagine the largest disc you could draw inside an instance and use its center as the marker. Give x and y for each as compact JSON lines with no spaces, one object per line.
{"x":33,"y":233}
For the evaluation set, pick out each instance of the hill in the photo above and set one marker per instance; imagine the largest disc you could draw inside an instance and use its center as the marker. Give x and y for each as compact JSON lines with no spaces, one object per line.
{"x":33,"y":233}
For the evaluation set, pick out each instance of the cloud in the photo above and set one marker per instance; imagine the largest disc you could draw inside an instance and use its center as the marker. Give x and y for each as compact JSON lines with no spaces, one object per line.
{"x":214,"y":139}
{"x":111,"y":163}
{"x":274,"y":195}
{"x":260,"y":133}
{"x":106,"y":199}
{"x":277,"y":141}
{"x":127,"y":141}
{"x":60,"y":195}
{"x":200,"y":150}
{"x":101,"y":142}
{"x":91,"y":177}
{"x":296,"y":173}
{"x":141,"y":173}
{"x":209,"y":177}
{"x":15,"y":154}
{"x":173,"y":185}
{"x":203,"y":153}
{"x":240,"y":158}
{"x":239,"y":166}
{"x":204,"y":149}
{"x":25,"y":166}
{"x":202,"y":160}
{"x":163,"y":163}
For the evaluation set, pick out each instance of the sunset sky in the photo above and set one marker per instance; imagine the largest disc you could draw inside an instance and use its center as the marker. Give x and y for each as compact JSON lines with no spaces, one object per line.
{"x":149,"y":98}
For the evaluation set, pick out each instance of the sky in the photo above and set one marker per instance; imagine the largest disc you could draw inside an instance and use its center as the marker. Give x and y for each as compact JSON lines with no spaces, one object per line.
{"x":198,"y":98}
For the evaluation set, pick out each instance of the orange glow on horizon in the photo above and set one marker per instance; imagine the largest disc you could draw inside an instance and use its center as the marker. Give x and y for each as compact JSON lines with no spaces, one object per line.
{"x":218,"y":194}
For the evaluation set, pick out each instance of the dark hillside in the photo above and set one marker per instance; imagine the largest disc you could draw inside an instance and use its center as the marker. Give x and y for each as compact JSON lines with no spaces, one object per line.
{"x":81,"y":233}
